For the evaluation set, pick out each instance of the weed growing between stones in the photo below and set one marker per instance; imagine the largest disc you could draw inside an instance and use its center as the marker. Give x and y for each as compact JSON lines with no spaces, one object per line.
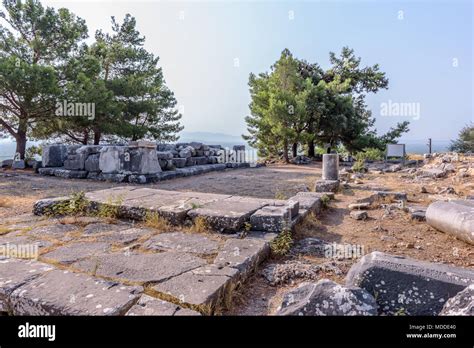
{"x":77,"y":205}
{"x":280,"y":195}
{"x":281,"y":245}
{"x":156,"y":221}
{"x":325,"y":201}
{"x":195,"y":205}
{"x":200,"y":225}
{"x":110,"y":209}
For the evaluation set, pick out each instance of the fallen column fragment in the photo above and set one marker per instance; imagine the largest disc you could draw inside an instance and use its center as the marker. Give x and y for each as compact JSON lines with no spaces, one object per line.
{"x":453,"y":217}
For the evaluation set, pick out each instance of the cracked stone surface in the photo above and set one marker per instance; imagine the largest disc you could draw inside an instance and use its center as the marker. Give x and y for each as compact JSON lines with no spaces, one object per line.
{"x":179,"y":241}
{"x":140,"y":267}
{"x":78,"y":294}
{"x":96,"y":266}
{"x":150,"y":306}
{"x":70,"y":253}
{"x":196,"y":289}
{"x":14,"y":273}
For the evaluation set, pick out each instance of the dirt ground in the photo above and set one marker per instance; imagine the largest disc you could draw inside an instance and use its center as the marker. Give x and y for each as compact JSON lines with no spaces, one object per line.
{"x":393,"y":232}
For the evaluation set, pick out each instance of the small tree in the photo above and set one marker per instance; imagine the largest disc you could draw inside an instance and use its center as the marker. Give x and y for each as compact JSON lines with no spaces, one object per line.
{"x":465,"y":141}
{"x":35,"y":45}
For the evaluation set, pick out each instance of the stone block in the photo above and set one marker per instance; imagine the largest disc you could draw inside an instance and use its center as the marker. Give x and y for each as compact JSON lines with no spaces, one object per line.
{"x":75,"y":162}
{"x":150,"y":306}
{"x":326,"y":186}
{"x":68,"y":254}
{"x":271,"y":219}
{"x":91,"y":164}
{"x":15,"y":273}
{"x":462,"y":304}
{"x":7,"y":163}
{"x":243,"y":254}
{"x":327,"y":298}
{"x":20,"y":164}
{"x":54,"y":155}
{"x":227,"y":215}
{"x":408,"y":286}
{"x":70,"y":174}
{"x":78,"y":294}
{"x":179,"y":162}
{"x":200,"y":160}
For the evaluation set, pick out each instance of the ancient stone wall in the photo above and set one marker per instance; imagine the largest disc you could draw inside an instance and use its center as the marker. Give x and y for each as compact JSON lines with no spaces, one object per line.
{"x":139,"y":161}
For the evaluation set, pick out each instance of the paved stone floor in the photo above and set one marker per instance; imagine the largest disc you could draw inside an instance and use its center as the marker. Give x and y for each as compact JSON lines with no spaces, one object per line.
{"x":92,"y":266}
{"x":222,"y":213}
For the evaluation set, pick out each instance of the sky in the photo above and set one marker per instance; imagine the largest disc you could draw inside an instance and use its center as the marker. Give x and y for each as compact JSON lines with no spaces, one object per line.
{"x":207,"y":50}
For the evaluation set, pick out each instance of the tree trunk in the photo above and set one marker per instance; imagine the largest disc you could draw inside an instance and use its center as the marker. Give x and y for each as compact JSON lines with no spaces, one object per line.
{"x":97,"y":135}
{"x":21,"y":139}
{"x":285,"y":151}
{"x":311,"y":148}
{"x":295,"y":150}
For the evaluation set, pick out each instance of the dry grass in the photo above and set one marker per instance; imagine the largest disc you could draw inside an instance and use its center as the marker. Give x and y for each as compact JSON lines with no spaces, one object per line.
{"x":5,"y":202}
{"x":157,"y":222}
{"x":199,"y":225}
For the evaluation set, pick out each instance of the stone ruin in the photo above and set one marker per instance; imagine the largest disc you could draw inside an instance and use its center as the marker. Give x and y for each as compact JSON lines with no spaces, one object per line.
{"x":139,"y":161}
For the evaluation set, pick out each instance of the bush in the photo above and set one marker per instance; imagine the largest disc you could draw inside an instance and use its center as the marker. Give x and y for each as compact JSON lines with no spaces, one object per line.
{"x":465,"y":142}
{"x":359,"y":166}
{"x":33,"y":151}
{"x":371,"y":154}
{"x":281,"y":245}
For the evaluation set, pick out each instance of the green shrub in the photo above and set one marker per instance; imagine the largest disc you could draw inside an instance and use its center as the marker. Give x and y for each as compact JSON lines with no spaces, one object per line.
{"x":77,"y":205}
{"x":281,"y":245}
{"x":325,"y":201}
{"x":110,"y":209}
{"x":370,"y":153}
{"x":33,"y":151}
{"x":359,"y":166}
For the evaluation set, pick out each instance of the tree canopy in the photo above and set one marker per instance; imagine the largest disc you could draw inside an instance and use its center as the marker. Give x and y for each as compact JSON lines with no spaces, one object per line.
{"x":45,"y":63}
{"x":298,"y":104}
{"x":465,"y":141}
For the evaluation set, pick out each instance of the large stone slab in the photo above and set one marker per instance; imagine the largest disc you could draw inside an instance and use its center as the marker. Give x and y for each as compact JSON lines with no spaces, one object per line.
{"x":70,"y":253}
{"x":183,"y":242}
{"x":271,"y":218}
{"x":126,"y":160}
{"x":64,"y":293}
{"x":202,"y":291}
{"x":133,"y":267}
{"x":150,"y":306}
{"x":327,"y":298}
{"x":310,"y":201}
{"x":326,"y":186}
{"x":461,"y":304}
{"x":56,"y":231}
{"x":227,"y":215}
{"x":243,"y":254}
{"x":54,"y":155}
{"x":407,"y":286}
{"x":15,"y":273}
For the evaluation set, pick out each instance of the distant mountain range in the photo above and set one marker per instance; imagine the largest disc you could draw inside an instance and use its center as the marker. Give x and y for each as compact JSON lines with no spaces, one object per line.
{"x":211,"y":138}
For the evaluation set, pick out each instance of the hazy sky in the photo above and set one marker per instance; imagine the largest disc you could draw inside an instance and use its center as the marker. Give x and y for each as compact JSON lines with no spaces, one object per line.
{"x":208,"y":48}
